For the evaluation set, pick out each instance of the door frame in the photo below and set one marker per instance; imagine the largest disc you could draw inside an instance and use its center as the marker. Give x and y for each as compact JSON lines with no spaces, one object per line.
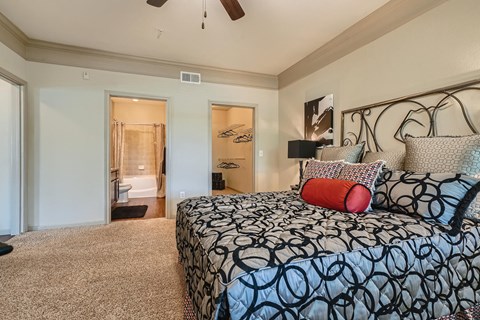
{"x":108,"y":112}
{"x":254,"y":108}
{"x":19,"y":223}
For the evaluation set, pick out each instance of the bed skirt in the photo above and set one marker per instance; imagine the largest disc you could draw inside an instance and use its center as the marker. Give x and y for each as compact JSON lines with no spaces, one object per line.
{"x":472,"y":313}
{"x":188,"y":313}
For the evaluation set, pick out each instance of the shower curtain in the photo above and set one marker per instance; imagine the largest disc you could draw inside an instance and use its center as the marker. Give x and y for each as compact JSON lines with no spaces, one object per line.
{"x":118,"y":137}
{"x":159,"y":144}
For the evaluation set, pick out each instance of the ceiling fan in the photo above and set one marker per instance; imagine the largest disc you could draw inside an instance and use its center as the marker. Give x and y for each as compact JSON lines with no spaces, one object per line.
{"x":233,"y":8}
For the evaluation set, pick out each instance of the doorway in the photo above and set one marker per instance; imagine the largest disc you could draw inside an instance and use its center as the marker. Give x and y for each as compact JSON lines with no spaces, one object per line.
{"x":138,"y":158}
{"x":233,"y":151}
{"x":12,"y":221}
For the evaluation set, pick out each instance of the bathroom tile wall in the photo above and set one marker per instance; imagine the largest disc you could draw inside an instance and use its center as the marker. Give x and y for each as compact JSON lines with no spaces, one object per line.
{"x":139,"y":150}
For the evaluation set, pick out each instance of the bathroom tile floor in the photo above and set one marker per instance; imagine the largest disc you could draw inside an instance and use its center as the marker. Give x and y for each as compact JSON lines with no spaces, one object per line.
{"x":156,"y":207}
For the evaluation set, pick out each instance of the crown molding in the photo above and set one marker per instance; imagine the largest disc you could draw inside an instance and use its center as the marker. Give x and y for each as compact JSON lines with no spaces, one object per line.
{"x":55,"y":53}
{"x":387,"y":18}
{"x":12,"y":36}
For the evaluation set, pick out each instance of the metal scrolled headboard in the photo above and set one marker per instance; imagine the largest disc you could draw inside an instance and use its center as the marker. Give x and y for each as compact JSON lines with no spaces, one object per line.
{"x":383,"y":126}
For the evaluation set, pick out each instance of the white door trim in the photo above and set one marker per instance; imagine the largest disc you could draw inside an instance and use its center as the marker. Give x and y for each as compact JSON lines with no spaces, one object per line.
{"x":252,"y":106}
{"x":108,"y":110}
{"x":18,"y":219}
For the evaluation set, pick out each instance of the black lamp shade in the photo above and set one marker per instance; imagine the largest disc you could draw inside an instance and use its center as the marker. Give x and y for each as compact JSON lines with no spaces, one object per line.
{"x":301,"y":149}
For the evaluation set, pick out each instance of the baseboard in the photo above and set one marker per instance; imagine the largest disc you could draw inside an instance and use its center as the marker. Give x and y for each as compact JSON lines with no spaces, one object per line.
{"x":61,"y":226}
{"x":4,"y":232}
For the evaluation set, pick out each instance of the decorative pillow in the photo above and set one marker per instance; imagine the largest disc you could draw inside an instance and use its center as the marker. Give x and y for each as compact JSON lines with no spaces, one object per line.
{"x":437,"y":197}
{"x":322,"y":169}
{"x":393,"y":159}
{"x":473,"y":211}
{"x":445,"y":154}
{"x":351,"y":154}
{"x":364,"y":173}
{"x":340,"y":195}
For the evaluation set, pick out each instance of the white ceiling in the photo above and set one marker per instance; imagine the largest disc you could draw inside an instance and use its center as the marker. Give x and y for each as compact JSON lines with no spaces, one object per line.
{"x":273,"y":35}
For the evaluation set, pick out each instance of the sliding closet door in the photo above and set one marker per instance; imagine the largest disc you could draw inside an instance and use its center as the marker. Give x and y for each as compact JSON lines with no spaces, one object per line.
{"x":10,"y":193}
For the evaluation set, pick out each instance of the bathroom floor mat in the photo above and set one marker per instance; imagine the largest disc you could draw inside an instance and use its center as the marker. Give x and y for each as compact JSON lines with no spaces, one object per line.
{"x":129,"y":212}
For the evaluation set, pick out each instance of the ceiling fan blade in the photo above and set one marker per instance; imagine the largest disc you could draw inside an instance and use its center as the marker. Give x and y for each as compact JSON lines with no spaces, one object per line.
{"x":233,"y":8}
{"x":156,"y":3}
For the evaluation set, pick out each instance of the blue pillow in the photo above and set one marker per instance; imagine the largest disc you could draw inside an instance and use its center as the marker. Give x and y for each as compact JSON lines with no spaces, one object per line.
{"x":437,"y":197}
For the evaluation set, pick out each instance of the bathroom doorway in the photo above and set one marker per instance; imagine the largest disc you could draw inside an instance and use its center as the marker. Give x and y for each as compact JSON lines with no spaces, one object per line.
{"x":233,"y":151}
{"x":138,"y":149}
{"x":12,"y":219}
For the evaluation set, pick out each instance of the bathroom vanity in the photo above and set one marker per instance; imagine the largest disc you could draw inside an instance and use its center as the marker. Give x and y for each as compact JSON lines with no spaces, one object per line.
{"x":114,"y":186}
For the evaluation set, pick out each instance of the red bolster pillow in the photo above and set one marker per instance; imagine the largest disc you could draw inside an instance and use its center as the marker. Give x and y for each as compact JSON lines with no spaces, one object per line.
{"x":340,"y":195}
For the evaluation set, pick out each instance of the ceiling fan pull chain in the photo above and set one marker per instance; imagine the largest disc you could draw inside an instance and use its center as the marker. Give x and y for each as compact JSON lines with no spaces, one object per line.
{"x":204,"y":16}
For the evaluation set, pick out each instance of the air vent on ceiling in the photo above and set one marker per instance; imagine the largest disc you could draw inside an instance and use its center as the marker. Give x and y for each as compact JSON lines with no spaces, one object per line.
{"x":190,"y":77}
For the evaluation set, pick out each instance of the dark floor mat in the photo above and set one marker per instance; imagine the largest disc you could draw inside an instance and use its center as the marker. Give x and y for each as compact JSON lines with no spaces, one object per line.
{"x":129,"y":212}
{"x":5,"y":248}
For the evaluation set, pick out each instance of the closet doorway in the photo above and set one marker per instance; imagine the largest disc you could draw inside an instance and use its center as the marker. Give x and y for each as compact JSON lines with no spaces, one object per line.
{"x":138,"y":148}
{"x":233,"y":149}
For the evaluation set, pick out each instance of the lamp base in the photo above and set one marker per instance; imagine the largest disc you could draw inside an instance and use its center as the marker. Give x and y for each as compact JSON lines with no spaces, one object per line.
{"x":300,"y":163}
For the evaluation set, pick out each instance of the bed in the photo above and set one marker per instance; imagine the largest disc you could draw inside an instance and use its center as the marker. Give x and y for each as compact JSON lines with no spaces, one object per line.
{"x":274,"y":256}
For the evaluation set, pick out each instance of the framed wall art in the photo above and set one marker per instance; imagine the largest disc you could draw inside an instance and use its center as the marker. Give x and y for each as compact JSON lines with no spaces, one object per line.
{"x":319,"y":120}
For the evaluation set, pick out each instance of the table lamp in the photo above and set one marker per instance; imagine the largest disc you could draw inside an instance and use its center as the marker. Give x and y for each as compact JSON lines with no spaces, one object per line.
{"x":301,"y":149}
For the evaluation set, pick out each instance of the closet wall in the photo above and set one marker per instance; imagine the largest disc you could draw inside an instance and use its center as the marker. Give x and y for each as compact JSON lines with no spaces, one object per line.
{"x":234,"y":149}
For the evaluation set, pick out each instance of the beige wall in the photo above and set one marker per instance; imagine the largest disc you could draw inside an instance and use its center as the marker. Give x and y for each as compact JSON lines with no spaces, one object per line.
{"x":142,"y":111}
{"x":12,"y":62}
{"x":240,"y":179}
{"x":437,"y":49}
{"x":68,"y":129}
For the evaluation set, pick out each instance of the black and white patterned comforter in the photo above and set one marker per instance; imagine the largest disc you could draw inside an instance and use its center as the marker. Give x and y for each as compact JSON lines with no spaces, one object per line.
{"x":273,"y":256}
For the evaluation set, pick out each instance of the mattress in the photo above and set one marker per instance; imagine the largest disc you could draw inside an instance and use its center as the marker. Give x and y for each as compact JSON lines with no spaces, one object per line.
{"x":273,"y":256}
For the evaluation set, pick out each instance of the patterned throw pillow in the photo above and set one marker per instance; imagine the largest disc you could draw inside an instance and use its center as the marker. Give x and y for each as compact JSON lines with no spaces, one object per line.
{"x":445,"y":154}
{"x":473,"y":211}
{"x":393,"y":159}
{"x":437,"y":197}
{"x":363,"y":173}
{"x":322,"y":169}
{"x":351,"y":154}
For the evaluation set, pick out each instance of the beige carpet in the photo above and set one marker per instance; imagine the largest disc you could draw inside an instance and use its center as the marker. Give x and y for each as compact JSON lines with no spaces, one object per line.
{"x":126,"y":270}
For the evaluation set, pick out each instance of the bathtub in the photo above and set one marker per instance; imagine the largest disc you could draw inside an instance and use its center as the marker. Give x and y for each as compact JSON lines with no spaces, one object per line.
{"x":142,"y":186}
